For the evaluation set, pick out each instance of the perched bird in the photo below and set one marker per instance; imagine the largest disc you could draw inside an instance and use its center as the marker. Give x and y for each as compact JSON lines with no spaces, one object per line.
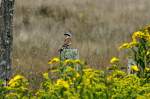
{"x":67,"y":41}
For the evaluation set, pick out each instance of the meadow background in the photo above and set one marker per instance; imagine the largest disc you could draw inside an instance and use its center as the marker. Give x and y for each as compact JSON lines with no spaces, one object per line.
{"x":98,"y":26}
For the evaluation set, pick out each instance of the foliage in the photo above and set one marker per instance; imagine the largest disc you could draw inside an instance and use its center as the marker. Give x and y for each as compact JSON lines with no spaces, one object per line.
{"x":72,"y":79}
{"x":140,"y":48}
{"x":84,"y":83}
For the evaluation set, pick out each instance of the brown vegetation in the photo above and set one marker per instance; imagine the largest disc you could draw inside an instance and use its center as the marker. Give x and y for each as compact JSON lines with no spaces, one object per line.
{"x":98,"y":27}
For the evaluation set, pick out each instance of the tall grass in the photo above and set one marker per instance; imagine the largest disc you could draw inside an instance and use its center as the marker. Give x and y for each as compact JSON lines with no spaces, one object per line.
{"x":99,"y":26}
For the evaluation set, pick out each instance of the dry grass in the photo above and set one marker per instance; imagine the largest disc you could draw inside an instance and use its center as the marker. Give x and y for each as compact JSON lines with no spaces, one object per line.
{"x":99,"y":26}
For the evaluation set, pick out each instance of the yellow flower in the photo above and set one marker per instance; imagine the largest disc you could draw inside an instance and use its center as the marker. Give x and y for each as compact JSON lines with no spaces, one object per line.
{"x":54,"y":60}
{"x":148,"y":53}
{"x":134,"y":68}
{"x":114,"y":60}
{"x":68,"y":61}
{"x":77,"y":61}
{"x":147,"y":69}
{"x":16,"y":81}
{"x":124,"y":46}
{"x":17,"y":77}
{"x":132,"y":44}
{"x":147,"y":36}
{"x":77,"y":75}
{"x":14,"y":84}
{"x":61,"y":82}
{"x":46,"y":76}
{"x":69,"y":69}
{"x":137,"y":34}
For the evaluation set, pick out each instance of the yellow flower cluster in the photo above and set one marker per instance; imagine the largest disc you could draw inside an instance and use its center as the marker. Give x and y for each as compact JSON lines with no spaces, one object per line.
{"x":77,"y":75}
{"x":77,"y":61}
{"x":137,"y":34}
{"x":132,"y":44}
{"x":140,"y":34}
{"x":71,"y":61}
{"x":128,"y":45}
{"x":70,"y":69}
{"x":66,"y":62}
{"x":114,"y":60}
{"x":54,"y":61}
{"x":61,"y":82}
{"x":147,"y":36}
{"x":124,"y":46}
{"x":143,"y":34}
{"x":16,"y":81}
{"x":135,"y":68}
{"x":46,"y":76}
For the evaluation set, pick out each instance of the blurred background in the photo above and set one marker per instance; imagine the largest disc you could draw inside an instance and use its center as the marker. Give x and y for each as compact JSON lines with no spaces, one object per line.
{"x":98,"y":26}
